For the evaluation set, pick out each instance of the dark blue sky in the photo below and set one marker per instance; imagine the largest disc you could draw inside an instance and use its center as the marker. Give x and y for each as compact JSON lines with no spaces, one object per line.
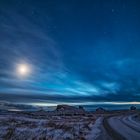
{"x":79,"y":51}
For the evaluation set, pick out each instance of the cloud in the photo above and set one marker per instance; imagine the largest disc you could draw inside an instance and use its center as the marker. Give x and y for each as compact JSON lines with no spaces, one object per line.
{"x":67,"y":66}
{"x":4,"y":105}
{"x":24,"y":41}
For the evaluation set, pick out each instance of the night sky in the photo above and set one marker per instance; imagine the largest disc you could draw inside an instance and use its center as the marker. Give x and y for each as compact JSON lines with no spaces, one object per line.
{"x":77,"y":51}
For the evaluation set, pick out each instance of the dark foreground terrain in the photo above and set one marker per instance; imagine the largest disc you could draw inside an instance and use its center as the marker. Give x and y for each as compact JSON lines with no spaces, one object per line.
{"x":41,"y":125}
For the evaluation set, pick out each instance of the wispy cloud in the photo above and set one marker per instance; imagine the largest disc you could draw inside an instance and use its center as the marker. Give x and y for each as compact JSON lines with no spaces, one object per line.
{"x":67,"y":64}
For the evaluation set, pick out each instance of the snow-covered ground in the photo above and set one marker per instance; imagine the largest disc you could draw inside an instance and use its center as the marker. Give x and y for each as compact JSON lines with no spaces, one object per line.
{"x":95,"y":129}
{"x":28,"y":127}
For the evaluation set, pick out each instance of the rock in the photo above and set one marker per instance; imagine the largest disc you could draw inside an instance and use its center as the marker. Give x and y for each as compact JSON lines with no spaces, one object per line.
{"x":41,"y":109}
{"x":81,"y":107}
{"x":66,"y":109}
{"x":132,"y":108}
{"x":100,"y":110}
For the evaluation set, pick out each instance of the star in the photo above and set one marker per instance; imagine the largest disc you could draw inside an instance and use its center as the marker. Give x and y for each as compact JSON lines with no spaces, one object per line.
{"x":112,"y":10}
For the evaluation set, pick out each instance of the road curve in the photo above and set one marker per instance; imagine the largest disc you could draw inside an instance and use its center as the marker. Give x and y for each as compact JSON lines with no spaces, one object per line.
{"x":125,"y":126}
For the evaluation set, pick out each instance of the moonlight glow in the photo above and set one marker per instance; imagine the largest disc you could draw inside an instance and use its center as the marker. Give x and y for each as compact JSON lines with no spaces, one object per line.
{"x":23,"y":69}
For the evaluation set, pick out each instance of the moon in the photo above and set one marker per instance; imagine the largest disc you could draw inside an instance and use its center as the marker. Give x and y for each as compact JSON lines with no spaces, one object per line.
{"x":23,"y":69}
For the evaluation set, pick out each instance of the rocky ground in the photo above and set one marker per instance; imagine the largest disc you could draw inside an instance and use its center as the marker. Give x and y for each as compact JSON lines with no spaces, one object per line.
{"x":70,"y":124}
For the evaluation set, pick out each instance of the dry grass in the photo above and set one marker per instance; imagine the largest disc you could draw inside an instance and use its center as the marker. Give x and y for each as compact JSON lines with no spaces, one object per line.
{"x":55,"y":127}
{"x":10,"y":132}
